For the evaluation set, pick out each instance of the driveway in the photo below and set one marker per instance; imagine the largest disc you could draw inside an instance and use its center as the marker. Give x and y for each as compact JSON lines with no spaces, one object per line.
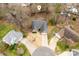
{"x":53,"y":43}
{"x":28,"y":45}
{"x":44,"y":39}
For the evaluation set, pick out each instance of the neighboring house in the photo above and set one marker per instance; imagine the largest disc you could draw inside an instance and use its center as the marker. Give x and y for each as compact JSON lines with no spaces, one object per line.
{"x":12,"y":37}
{"x":69,"y":33}
{"x":73,"y":10}
{"x":39,"y":25}
{"x":73,"y":52}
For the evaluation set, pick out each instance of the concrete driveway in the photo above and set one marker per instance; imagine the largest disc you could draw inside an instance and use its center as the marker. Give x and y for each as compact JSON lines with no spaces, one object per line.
{"x":44,"y":39}
{"x":53,"y":43}
{"x":28,"y":45}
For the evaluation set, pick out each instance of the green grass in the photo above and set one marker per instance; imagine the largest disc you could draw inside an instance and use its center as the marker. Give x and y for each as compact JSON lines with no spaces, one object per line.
{"x":52,"y":33}
{"x":4,"y":29}
{"x":62,"y":46}
{"x":26,"y":53}
{"x":76,"y":46}
{"x":13,"y":52}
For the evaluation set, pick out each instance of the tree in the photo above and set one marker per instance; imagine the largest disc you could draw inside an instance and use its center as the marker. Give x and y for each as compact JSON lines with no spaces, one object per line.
{"x":57,"y":10}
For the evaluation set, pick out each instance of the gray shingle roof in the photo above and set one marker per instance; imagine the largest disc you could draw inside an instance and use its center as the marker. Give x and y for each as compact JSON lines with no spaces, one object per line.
{"x":39,"y":25}
{"x":43,"y":51}
{"x":71,"y":34}
{"x":12,"y":37}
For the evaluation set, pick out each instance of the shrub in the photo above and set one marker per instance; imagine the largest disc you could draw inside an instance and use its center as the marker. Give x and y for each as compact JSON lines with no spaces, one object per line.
{"x":57,"y":8}
{"x":25,"y":34}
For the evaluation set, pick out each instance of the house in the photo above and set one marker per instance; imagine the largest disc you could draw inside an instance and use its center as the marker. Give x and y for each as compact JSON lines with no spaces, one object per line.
{"x":73,"y":10}
{"x":12,"y":37}
{"x":43,"y":51}
{"x":69,"y":33}
{"x":39,"y":25}
{"x":73,"y":52}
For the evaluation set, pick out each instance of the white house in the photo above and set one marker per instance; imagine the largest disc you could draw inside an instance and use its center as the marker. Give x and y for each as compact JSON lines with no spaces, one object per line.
{"x":12,"y":37}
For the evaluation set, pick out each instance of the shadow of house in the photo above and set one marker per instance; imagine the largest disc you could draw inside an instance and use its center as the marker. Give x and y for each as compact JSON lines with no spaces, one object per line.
{"x":39,"y":25}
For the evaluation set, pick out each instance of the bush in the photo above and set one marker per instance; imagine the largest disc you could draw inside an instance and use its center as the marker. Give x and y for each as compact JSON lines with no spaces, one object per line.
{"x":57,"y":8}
{"x":62,"y":46}
{"x":25,"y":34}
{"x":12,"y":47}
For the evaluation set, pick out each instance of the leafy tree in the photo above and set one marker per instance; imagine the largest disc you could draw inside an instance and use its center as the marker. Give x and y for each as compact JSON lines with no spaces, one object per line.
{"x":57,"y":8}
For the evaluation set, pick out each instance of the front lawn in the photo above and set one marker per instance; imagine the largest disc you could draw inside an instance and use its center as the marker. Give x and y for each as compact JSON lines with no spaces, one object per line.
{"x":13,"y":51}
{"x":52,"y":33}
{"x":62,"y":46}
{"x":4,"y":29}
